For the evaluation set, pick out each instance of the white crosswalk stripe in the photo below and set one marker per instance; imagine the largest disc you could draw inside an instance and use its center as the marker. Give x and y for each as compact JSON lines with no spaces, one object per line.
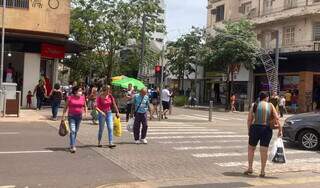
{"x":205,"y":141}
{"x":181,"y":130}
{"x":209,"y":147}
{"x":200,"y":136}
{"x":234,"y":154}
{"x":292,"y":161}
{"x":184,"y":133}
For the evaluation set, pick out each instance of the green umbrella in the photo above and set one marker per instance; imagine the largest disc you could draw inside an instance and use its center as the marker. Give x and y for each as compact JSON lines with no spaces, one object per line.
{"x":126,"y":81}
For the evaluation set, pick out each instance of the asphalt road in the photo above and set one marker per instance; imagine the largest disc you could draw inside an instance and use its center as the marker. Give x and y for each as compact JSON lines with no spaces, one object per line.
{"x":33,"y":155}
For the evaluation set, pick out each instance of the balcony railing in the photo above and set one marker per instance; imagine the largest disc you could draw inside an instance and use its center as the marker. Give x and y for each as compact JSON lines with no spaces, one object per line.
{"x":24,"y":4}
{"x":308,"y":45}
{"x":285,"y":6}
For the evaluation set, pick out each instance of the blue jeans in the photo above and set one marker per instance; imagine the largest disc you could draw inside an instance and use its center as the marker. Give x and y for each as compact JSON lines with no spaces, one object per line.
{"x":102,"y":122}
{"x":74,"y":124}
{"x":55,"y":107}
{"x":39,"y":102}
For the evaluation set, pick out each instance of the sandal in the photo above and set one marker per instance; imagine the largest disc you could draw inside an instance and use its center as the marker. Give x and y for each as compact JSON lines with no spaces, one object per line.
{"x":262,"y":175}
{"x":248,"y":172}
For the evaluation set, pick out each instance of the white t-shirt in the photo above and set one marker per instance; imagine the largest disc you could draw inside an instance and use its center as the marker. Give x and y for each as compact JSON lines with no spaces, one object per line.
{"x":282,"y":102}
{"x":165,"y":95}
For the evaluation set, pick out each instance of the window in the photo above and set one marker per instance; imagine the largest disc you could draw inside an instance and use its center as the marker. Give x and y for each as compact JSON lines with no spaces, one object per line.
{"x":245,"y":8}
{"x":16,"y":3}
{"x":267,"y":6}
{"x":288,"y":4}
{"x":288,"y":35}
{"x":316,"y":31}
{"x":220,"y":13}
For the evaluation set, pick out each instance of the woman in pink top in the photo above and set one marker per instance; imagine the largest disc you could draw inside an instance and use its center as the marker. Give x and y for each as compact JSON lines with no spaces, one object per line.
{"x":75,"y":106}
{"x":104,"y":103}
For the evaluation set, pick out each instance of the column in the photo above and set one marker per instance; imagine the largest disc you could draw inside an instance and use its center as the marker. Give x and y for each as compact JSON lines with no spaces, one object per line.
{"x":305,"y":91}
{"x":31,"y":75}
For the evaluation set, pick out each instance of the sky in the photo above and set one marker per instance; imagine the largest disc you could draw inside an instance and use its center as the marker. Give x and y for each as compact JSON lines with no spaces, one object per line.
{"x":181,"y":15}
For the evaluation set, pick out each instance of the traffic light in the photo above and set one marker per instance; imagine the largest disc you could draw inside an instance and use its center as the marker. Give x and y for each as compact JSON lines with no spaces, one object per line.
{"x":158,"y":69}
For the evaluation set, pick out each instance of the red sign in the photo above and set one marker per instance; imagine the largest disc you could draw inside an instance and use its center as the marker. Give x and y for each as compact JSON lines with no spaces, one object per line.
{"x":52,"y":51}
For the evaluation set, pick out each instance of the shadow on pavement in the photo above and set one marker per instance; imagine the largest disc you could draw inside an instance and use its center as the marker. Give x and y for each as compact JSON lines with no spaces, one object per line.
{"x":215,"y":185}
{"x":240,"y":174}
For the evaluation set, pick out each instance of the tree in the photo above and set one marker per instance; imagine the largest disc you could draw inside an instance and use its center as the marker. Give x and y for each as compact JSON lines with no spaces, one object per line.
{"x":233,"y":45}
{"x":183,"y":55}
{"x":108,"y":27}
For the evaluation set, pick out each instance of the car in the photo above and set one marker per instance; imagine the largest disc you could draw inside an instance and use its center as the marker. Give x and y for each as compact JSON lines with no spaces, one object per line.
{"x":303,"y":129}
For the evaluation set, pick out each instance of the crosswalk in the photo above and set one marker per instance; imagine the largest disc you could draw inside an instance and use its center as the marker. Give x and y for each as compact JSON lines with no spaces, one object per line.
{"x":226,"y":149}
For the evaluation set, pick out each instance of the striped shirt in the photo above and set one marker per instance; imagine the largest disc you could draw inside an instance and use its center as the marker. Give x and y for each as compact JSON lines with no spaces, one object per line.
{"x":263,"y":113}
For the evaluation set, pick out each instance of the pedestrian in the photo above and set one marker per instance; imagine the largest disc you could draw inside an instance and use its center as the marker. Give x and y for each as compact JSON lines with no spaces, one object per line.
{"x":141,"y":106}
{"x":155,"y":94}
{"x":105,"y":102}
{"x":56,"y":97}
{"x":233,"y":102}
{"x":294,"y":103}
{"x":275,"y":100}
{"x":92,"y":103}
{"x":166,"y":99}
{"x":40,"y":92}
{"x":282,"y":105}
{"x":29,"y":99}
{"x":75,"y":106}
{"x":129,"y":98}
{"x":288,"y":96}
{"x":259,"y":118}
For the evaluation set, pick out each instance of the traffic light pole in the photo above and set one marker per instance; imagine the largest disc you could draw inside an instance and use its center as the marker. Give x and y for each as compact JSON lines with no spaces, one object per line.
{"x":161,"y":80}
{"x":144,"y":22}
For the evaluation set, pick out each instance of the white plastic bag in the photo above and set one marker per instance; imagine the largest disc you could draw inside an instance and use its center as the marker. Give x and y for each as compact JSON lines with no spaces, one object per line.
{"x":130,"y":125}
{"x":277,"y":154}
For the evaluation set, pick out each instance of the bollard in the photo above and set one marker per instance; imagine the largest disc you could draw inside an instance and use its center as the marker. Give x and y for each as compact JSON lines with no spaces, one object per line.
{"x":210,"y":111}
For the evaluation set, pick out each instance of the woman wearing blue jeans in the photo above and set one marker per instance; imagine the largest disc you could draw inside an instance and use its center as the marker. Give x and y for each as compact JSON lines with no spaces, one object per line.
{"x":75,"y":106}
{"x":104,"y":105}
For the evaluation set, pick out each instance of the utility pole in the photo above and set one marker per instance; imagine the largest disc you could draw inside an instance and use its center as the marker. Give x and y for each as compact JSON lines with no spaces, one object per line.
{"x":2,"y":44}
{"x":161,"y":81}
{"x":143,"y":41}
{"x":277,"y":53}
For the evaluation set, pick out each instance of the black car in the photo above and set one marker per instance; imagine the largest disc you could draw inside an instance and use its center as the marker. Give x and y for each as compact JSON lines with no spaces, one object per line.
{"x":303,"y":129}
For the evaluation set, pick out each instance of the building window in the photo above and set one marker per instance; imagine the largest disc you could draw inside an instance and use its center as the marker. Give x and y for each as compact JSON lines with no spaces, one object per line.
{"x":220,"y":13}
{"x":288,"y":4}
{"x":267,"y":6}
{"x":16,"y":4}
{"x":288,"y":35}
{"x":316,"y":31}
{"x":245,"y":8}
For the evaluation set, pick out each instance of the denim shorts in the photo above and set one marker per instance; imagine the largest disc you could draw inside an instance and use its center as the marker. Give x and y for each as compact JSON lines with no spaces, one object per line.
{"x":260,"y":133}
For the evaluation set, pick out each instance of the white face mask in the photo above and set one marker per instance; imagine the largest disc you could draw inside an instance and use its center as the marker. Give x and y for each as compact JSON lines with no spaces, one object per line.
{"x":79,"y":93}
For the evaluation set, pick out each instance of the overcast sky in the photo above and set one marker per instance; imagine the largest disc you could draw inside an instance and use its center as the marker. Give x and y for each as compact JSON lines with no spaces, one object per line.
{"x":181,"y":15}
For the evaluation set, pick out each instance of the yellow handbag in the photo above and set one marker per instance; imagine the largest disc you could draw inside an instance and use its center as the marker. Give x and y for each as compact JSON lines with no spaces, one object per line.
{"x":117,"y":128}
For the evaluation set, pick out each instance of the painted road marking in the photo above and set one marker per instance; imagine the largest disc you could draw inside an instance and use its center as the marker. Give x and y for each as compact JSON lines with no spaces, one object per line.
{"x":245,"y":163}
{"x":182,"y":130}
{"x":200,"y":136}
{"x":200,"y":142}
{"x":183,"y":133}
{"x":9,"y":133}
{"x":208,"y":147}
{"x":233,"y":154}
{"x":25,"y":152}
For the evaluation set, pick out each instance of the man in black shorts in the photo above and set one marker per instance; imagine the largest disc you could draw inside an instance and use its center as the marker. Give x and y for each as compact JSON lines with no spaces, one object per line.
{"x":165,"y":98}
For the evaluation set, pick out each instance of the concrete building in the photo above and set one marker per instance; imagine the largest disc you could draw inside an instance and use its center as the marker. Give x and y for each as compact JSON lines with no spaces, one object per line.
{"x":298,"y":25}
{"x":36,"y":39}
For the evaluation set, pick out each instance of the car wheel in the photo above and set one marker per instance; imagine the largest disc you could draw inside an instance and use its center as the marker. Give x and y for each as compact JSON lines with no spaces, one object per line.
{"x":309,"y":139}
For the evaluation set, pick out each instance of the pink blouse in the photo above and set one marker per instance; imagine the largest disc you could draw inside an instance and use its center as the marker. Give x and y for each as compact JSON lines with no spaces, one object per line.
{"x":105,"y":104}
{"x":76,"y":105}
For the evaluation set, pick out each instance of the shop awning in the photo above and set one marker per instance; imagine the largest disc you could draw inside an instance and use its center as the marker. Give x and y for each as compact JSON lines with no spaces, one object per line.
{"x":70,"y":46}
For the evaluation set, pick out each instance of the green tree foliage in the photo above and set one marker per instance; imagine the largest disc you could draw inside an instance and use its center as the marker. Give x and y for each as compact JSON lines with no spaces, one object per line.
{"x":233,"y":45}
{"x":107,"y":27}
{"x":183,"y":54}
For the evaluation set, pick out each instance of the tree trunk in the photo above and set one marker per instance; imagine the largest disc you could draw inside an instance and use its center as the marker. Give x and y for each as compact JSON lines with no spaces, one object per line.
{"x":109,"y":70}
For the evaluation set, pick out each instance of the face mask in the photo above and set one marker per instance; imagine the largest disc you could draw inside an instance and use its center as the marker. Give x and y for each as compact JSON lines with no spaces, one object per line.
{"x":79,"y":93}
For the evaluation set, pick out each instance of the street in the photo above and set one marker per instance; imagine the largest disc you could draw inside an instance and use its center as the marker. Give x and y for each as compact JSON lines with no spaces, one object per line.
{"x":184,"y":151}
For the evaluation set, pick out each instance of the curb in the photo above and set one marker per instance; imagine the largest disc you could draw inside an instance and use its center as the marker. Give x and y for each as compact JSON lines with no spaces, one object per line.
{"x":128,"y":185}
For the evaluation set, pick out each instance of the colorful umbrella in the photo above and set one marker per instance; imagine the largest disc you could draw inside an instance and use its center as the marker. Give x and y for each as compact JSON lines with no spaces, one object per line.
{"x":125,"y":81}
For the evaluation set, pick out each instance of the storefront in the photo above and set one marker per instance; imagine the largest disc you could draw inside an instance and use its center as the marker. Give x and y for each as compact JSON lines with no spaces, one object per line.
{"x":31,"y":57}
{"x":298,"y":73}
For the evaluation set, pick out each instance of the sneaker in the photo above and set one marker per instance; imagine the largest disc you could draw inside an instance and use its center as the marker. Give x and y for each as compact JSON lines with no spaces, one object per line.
{"x":144,"y":141}
{"x":111,"y":145}
{"x":73,"y":149}
{"x":137,"y":142}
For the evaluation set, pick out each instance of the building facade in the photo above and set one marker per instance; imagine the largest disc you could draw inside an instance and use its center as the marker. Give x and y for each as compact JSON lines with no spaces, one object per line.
{"x":297,"y":25}
{"x":36,"y":40}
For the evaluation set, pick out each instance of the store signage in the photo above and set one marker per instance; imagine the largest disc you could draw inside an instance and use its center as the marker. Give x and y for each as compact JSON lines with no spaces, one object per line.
{"x":52,"y":51}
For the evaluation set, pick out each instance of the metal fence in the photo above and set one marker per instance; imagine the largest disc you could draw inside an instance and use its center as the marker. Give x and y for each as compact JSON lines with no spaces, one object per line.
{"x":24,"y":4}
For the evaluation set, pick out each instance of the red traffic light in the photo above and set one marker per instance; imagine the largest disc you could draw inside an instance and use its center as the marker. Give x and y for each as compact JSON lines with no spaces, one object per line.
{"x":157,"y":69}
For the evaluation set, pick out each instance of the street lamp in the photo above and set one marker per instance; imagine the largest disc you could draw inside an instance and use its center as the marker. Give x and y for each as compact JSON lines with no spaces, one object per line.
{"x":2,"y":44}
